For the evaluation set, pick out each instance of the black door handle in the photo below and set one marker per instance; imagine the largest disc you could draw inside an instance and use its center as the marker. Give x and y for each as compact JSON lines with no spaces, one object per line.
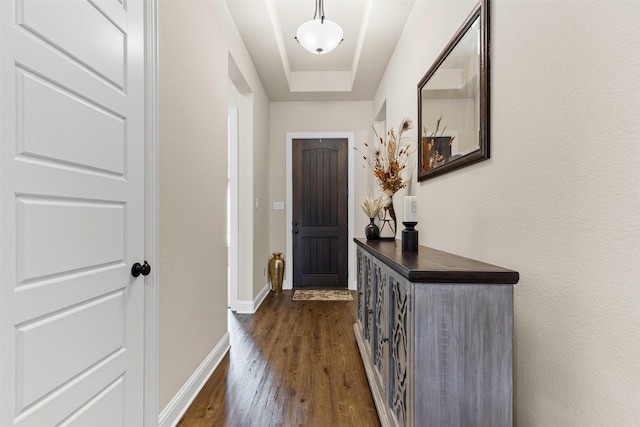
{"x":138,"y":269}
{"x":295,"y":230}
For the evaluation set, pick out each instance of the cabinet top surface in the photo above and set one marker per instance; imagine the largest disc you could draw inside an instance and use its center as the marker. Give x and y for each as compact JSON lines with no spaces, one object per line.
{"x":434,"y":266}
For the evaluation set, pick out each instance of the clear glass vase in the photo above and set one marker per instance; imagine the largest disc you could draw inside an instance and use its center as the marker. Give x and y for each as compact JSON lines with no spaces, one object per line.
{"x":388,"y":223}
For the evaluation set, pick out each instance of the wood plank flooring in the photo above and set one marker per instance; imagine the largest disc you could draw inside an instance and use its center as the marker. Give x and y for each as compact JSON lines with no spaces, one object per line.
{"x":292,"y":363}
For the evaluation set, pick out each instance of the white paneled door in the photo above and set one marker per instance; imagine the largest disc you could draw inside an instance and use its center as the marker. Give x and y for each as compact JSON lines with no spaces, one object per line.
{"x":71,"y":212}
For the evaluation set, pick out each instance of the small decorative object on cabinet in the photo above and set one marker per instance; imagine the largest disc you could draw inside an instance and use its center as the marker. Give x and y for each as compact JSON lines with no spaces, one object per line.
{"x":371,"y":206}
{"x":371,"y":231}
{"x":435,"y":333}
{"x":276,"y":272}
{"x":388,"y":221}
{"x":410,"y":234}
{"x":410,"y":237}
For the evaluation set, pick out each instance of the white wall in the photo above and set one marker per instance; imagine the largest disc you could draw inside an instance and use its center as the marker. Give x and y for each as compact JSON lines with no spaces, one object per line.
{"x":559,"y":200}
{"x":195,"y":39}
{"x":286,"y":117}
{"x":261,"y":191}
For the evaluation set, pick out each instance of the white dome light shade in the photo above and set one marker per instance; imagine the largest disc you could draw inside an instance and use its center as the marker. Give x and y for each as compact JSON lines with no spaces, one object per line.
{"x":319,"y":36}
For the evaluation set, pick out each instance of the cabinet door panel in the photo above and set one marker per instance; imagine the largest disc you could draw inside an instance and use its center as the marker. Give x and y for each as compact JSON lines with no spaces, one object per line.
{"x":400,"y":351}
{"x":360,"y":301}
{"x":368,"y":300}
{"x":381,"y":334}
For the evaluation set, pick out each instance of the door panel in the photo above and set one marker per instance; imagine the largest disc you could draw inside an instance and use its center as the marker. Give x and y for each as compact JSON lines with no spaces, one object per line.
{"x":320,"y":213}
{"x":80,"y":30}
{"x":48,"y":111}
{"x":84,"y":335}
{"x":98,"y":412}
{"x":61,"y":236}
{"x":71,"y":212}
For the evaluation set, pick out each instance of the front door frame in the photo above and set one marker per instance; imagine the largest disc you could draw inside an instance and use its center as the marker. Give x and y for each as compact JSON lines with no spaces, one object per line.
{"x":350,"y":136}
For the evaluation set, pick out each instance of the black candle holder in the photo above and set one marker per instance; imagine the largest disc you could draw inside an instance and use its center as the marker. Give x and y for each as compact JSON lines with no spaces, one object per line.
{"x":410,"y":237}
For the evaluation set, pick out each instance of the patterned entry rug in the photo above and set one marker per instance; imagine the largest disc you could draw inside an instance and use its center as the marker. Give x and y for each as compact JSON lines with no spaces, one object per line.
{"x":333,"y":295}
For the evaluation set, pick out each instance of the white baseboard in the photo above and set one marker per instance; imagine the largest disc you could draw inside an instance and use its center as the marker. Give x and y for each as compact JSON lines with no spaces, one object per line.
{"x":175,"y":409}
{"x":244,"y":307}
{"x":250,"y":307}
{"x":261,"y":296}
{"x":352,"y":285}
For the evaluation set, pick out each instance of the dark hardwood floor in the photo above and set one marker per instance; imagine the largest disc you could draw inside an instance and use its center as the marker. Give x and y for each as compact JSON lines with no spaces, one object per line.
{"x":292,"y":363}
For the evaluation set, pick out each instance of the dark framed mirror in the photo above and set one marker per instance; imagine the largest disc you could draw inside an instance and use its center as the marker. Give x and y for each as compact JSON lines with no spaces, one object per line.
{"x":453,"y":101}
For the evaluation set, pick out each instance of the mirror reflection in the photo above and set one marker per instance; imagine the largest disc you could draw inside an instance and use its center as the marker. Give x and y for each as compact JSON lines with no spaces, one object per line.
{"x":450,"y":105}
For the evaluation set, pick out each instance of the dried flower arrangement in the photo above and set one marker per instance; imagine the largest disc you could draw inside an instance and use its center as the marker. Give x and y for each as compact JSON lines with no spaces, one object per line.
{"x":387,"y":159}
{"x":371,"y":206}
{"x":431,"y":157}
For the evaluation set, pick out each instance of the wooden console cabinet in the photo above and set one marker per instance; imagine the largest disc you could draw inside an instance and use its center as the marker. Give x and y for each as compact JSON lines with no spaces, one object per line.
{"x":435,"y":332}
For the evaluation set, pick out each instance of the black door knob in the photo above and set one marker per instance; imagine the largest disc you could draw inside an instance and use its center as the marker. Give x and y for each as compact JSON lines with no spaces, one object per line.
{"x":138,"y":269}
{"x":295,"y":231}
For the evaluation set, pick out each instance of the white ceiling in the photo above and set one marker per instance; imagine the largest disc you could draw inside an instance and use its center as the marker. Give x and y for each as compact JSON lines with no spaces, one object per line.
{"x":351,"y":72}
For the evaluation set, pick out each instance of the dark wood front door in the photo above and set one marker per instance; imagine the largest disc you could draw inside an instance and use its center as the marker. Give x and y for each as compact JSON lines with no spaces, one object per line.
{"x":320,"y":213}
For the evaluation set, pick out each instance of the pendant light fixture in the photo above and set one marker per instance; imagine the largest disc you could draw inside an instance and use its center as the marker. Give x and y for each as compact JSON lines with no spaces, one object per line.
{"x":319,"y":35}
